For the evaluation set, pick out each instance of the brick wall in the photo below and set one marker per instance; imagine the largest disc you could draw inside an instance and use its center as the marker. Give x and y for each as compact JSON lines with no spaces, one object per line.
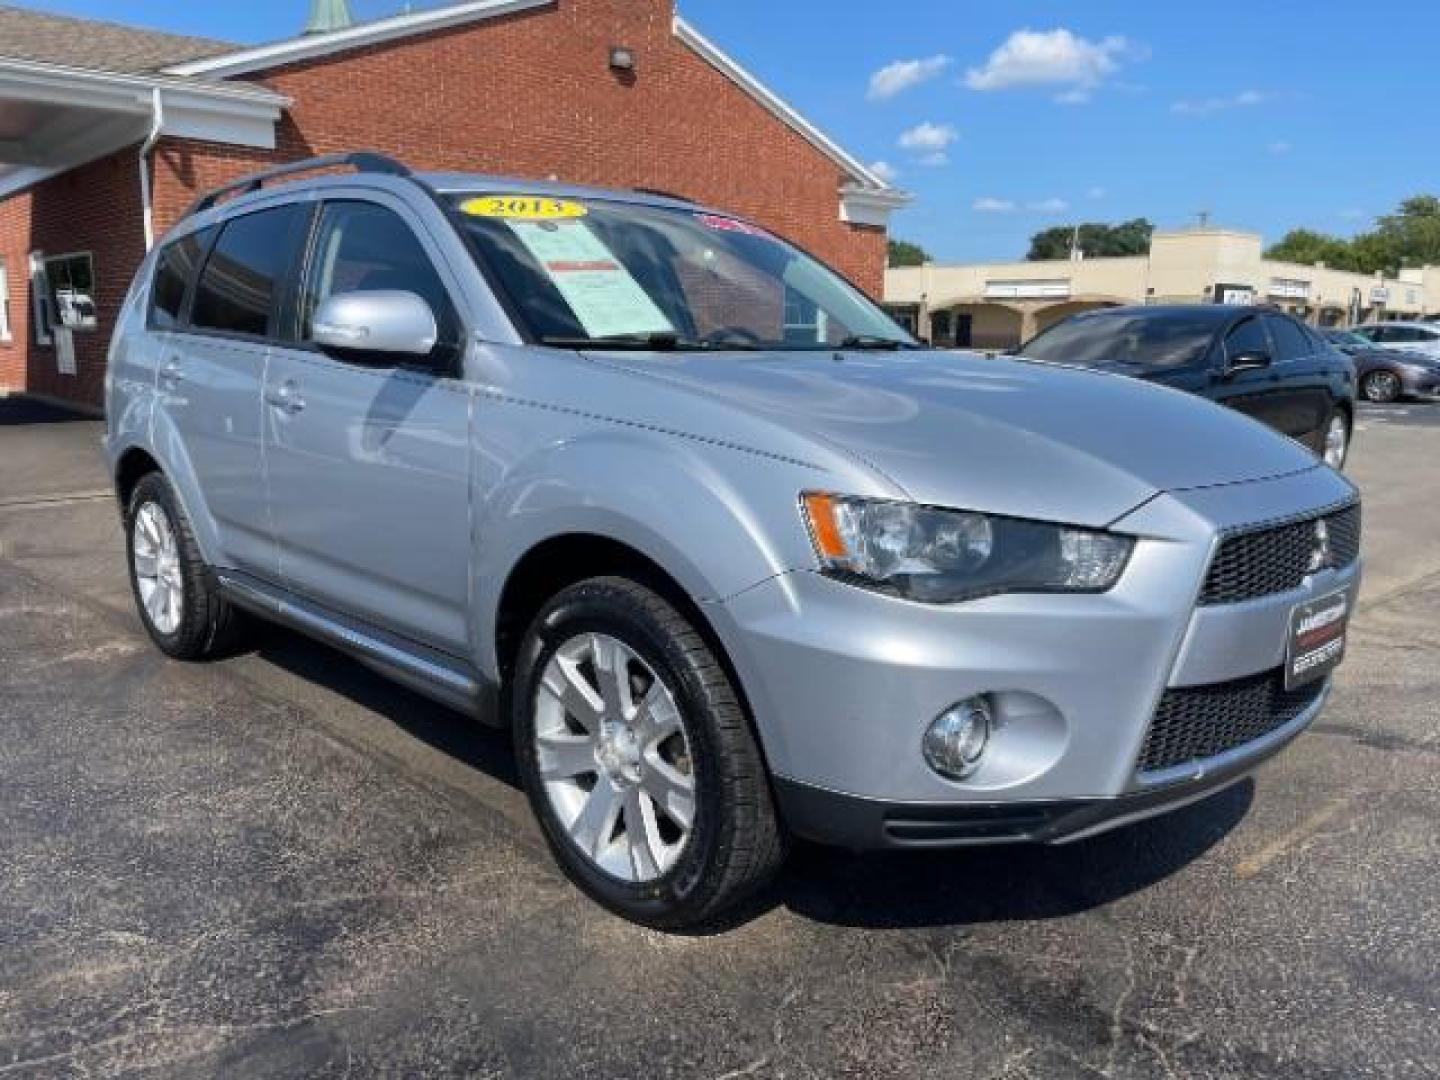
{"x":96,"y":209}
{"x":529,"y":95}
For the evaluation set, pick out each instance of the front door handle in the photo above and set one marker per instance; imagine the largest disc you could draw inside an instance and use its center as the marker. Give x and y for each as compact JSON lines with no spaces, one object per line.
{"x":171,"y":373}
{"x":286,"y":397}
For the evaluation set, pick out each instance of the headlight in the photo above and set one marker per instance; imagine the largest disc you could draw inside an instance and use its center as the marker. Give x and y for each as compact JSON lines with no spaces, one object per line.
{"x":943,"y":556}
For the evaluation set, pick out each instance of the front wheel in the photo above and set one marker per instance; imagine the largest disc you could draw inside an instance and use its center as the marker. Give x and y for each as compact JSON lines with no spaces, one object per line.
{"x":638,"y":757}
{"x":1381,"y":386}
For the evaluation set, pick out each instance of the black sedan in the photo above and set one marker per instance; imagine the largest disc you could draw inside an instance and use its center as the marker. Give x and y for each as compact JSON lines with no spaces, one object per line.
{"x":1258,"y":361}
{"x":1388,"y":374}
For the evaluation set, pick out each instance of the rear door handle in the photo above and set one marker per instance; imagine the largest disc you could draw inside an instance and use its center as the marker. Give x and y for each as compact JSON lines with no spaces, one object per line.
{"x":286,"y":397}
{"x":171,"y":373}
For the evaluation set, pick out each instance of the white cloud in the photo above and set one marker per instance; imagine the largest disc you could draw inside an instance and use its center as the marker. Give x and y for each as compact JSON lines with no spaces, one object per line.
{"x":885,"y":171}
{"x":1279,"y":147}
{"x":1049,"y":206}
{"x":928,"y":137}
{"x":900,"y":76}
{"x":1074,"y":97}
{"x":1205,"y":106}
{"x":1096,"y":193}
{"x":1050,"y":58}
{"x":988,"y":205}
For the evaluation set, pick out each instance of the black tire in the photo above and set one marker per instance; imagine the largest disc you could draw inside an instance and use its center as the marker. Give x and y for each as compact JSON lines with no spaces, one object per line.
{"x":736,"y":844}
{"x":209,"y":626}
{"x":1382,"y":390}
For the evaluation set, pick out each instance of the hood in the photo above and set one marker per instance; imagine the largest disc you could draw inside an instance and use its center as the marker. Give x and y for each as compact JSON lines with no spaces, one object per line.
{"x":1006,"y":436}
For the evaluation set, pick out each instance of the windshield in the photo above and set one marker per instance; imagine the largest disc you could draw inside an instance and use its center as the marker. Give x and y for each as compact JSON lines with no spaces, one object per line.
{"x":589,"y":272}
{"x":1157,"y":340}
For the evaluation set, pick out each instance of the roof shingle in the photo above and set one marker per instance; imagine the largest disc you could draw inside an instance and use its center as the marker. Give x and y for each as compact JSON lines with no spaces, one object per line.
{"x":96,"y":45}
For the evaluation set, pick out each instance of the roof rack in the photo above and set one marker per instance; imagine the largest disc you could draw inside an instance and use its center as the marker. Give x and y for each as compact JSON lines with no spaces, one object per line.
{"x":364,"y":161}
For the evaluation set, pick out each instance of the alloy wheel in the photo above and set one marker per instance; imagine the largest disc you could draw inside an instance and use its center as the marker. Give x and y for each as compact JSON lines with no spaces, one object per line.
{"x":1382,"y":386}
{"x":158,"y":575}
{"x":614,"y":758}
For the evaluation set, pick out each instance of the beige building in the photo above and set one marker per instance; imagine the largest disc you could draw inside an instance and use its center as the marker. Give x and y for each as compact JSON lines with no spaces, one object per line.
{"x":999,"y":305}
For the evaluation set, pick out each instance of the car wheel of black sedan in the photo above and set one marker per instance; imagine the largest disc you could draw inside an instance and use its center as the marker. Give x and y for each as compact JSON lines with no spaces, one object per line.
{"x":1380,"y":386}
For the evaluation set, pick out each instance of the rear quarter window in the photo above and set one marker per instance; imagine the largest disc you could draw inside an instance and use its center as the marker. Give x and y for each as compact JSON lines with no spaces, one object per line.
{"x":174,"y":270}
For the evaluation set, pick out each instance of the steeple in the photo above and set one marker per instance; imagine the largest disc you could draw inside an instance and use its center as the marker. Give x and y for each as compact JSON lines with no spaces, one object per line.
{"x":327,"y":15}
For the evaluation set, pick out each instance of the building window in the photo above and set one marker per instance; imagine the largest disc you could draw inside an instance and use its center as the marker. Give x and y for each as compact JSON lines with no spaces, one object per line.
{"x":63,"y":293}
{"x":4,"y":302}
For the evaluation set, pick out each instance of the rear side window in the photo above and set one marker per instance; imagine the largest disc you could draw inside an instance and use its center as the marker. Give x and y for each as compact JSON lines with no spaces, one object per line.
{"x":1247,"y":337}
{"x":1290,"y":341}
{"x":174,"y":269}
{"x":245,"y":272}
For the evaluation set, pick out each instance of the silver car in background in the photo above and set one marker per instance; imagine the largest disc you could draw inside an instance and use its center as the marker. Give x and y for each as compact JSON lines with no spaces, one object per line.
{"x":1420,"y":337}
{"x":734,"y":557}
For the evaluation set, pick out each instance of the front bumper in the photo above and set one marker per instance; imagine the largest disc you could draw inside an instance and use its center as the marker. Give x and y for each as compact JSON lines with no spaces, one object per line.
{"x":843,"y":683}
{"x":1420,"y":383}
{"x":850,"y":821}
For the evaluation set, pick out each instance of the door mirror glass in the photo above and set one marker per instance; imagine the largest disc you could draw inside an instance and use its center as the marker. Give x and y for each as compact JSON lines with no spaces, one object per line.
{"x":385,"y":323}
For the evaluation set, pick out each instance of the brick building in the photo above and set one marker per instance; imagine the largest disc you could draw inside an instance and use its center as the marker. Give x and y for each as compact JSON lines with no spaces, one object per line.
{"x":108,"y":132}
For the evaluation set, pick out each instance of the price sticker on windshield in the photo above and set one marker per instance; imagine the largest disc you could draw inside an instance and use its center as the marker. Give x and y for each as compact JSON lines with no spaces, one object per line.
{"x":729,"y":224}
{"x":523,"y":208}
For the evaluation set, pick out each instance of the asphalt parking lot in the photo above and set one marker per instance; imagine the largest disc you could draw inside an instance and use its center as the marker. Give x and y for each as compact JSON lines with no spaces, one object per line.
{"x":283,"y":865}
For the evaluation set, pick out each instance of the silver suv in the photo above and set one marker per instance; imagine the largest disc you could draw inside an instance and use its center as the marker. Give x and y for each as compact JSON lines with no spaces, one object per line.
{"x":734,"y":557}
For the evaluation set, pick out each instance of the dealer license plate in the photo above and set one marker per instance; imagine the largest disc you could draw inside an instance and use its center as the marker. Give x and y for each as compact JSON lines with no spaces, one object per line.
{"x":1317,"y":639}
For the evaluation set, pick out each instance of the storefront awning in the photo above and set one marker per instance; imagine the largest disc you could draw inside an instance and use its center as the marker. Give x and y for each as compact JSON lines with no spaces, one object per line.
{"x":54,"y":118}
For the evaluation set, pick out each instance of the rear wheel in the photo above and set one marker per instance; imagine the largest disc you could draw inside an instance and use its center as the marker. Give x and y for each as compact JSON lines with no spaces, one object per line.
{"x":638,"y":757}
{"x":182,"y":611}
{"x":1381,"y":386}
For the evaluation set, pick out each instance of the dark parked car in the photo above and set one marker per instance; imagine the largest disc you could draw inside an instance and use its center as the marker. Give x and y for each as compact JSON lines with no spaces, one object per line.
{"x":1388,"y":374}
{"x":1258,"y":361}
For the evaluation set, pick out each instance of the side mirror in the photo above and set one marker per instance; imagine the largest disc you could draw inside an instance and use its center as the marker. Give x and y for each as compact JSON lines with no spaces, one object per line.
{"x":1253,"y":360}
{"x":388,"y":323}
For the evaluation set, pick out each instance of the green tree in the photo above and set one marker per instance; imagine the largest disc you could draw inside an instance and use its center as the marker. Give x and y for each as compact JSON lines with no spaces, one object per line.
{"x":1408,"y":237}
{"x":1310,"y":247}
{"x":1095,"y":239}
{"x":904,"y":253}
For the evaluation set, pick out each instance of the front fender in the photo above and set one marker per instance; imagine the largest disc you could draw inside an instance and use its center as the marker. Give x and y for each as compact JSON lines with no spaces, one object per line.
{"x":718,"y":527}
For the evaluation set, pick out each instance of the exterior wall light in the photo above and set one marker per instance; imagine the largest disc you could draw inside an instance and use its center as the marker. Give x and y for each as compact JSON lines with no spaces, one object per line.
{"x":621,"y":58}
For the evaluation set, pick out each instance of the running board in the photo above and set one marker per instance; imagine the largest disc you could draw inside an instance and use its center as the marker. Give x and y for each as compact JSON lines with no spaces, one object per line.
{"x":423,"y":670}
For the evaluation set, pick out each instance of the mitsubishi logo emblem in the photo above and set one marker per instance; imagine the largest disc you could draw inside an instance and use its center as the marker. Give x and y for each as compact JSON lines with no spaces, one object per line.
{"x":1320,"y":552}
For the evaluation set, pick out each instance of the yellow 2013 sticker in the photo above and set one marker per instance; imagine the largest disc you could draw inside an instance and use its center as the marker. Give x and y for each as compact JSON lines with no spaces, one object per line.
{"x":523,"y":207}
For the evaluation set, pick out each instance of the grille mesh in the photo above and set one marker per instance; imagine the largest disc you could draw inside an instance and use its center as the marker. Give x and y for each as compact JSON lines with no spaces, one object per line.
{"x":1196,"y":722}
{"x":1277,"y":559}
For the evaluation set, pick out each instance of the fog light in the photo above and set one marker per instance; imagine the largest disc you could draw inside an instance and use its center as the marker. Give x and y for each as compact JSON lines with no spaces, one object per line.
{"x":956,"y":739}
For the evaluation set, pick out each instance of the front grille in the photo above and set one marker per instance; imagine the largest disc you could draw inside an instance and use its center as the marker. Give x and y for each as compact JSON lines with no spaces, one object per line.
{"x":1196,"y":722}
{"x":1276,"y":558}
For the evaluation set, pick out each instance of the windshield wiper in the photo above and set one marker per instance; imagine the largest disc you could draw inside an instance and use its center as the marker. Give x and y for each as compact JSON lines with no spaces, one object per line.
{"x":873,"y":342}
{"x":656,"y":342}
{"x":660,"y":341}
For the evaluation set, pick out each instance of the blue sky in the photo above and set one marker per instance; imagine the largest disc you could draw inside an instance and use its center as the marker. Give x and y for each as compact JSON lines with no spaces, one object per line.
{"x":1023,"y":114}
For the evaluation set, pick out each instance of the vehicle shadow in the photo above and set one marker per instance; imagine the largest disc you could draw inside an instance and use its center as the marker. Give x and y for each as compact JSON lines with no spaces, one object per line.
{"x":875,"y":890}
{"x":1008,"y":883}
{"x":474,"y":744}
{"x":17,"y":410}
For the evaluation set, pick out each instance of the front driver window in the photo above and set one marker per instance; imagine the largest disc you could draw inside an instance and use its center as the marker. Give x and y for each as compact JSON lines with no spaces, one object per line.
{"x":363,"y":247}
